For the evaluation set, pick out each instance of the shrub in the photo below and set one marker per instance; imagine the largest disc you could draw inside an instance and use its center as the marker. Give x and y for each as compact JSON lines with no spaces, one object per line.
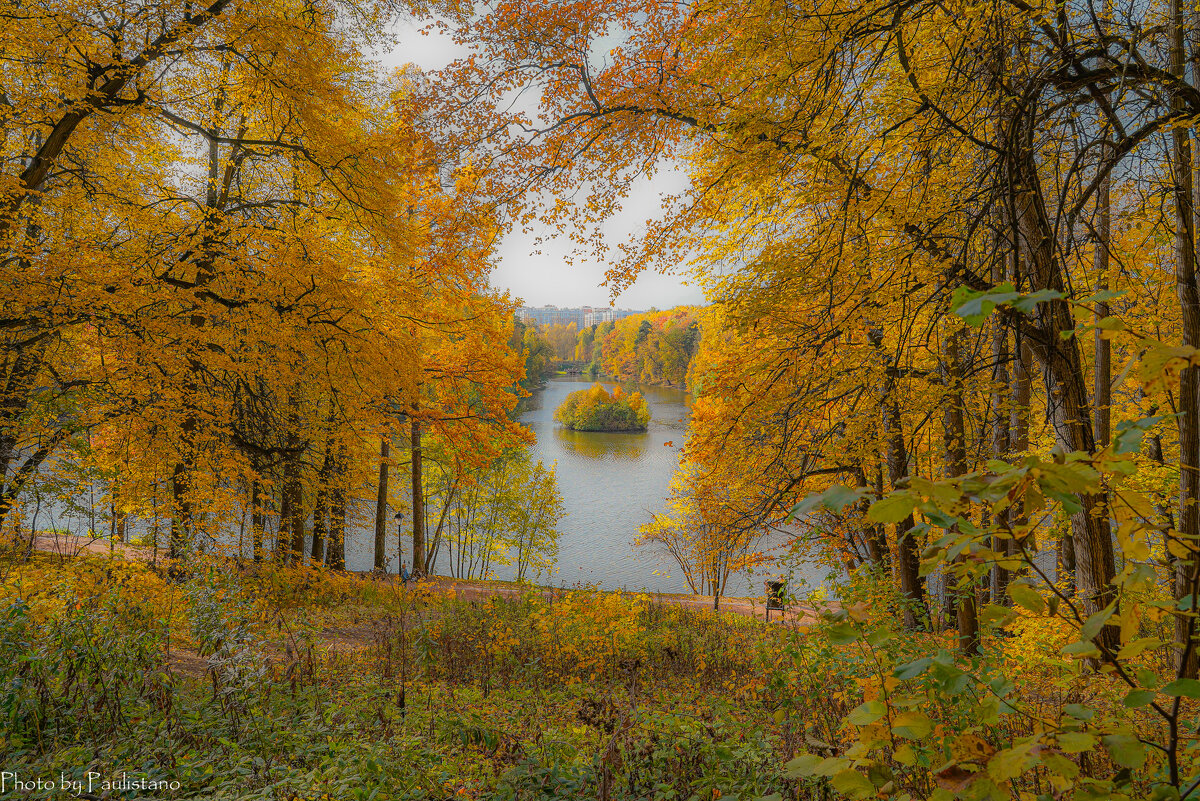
{"x":596,"y":409}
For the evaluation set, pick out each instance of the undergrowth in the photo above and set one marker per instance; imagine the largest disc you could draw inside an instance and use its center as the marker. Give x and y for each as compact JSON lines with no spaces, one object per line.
{"x":297,"y":683}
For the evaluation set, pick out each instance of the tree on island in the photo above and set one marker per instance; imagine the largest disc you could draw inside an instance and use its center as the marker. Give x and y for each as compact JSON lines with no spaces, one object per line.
{"x":596,"y":409}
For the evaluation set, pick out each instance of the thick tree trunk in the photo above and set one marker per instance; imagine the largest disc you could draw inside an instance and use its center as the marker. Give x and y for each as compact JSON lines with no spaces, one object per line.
{"x":1000,"y":446}
{"x":381,"y":506}
{"x":874,"y":534}
{"x":1066,"y":390}
{"x":908,"y":561}
{"x":321,"y":505}
{"x":337,"y":512}
{"x":1188,"y":290}
{"x":281,"y":535}
{"x":294,"y":490}
{"x":1022,"y":393}
{"x":257,"y":518}
{"x":954,"y":431}
{"x":23,"y":363}
{"x":181,"y":517}
{"x":420,"y":568}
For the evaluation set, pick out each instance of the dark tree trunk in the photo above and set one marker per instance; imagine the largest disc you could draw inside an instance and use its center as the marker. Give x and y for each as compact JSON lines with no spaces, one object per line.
{"x":1066,"y":389}
{"x":294,"y":491}
{"x":381,"y":506}
{"x":321,"y":505}
{"x":874,"y":534}
{"x":337,"y":512}
{"x":1188,"y":290}
{"x":908,"y":562}
{"x":954,"y":432}
{"x":257,"y":518}
{"x":420,"y":568}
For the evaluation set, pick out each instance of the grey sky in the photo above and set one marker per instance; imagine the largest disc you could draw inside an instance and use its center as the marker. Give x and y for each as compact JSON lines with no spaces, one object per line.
{"x":540,"y":274}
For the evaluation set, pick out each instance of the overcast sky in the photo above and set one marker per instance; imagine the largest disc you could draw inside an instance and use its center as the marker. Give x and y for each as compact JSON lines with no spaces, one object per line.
{"x":545,"y":276}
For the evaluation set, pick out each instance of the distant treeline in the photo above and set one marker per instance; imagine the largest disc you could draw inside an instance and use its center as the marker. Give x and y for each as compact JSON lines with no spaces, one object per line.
{"x":655,"y":347}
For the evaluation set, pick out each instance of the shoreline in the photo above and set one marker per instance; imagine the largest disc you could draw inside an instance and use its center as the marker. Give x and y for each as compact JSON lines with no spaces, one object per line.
{"x":72,"y":545}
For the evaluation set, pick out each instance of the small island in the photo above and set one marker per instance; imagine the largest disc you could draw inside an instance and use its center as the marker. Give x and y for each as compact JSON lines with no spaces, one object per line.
{"x":596,"y":409}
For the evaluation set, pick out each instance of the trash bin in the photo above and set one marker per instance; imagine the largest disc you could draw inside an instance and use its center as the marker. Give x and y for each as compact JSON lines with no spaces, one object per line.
{"x":776,"y":594}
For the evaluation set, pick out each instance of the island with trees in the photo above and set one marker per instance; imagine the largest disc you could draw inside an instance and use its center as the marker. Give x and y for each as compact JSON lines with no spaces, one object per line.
{"x":597,"y":409}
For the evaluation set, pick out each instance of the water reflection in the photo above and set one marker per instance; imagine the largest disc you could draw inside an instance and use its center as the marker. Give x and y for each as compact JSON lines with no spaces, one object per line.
{"x":602,"y":445}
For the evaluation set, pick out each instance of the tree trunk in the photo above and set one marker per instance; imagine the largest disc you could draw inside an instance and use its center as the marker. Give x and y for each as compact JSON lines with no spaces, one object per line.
{"x":281,"y":535}
{"x":1188,"y":422}
{"x":294,"y":491}
{"x":181,"y":517}
{"x":954,"y":432}
{"x":908,"y":562}
{"x":321,"y":505}
{"x":381,"y":506}
{"x":875,"y":535}
{"x":1022,"y":392}
{"x":337,"y":512}
{"x":1001,"y":443}
{"x":1066,"y":390}
{"x":420,"y":568}
{"x":257,"y":518}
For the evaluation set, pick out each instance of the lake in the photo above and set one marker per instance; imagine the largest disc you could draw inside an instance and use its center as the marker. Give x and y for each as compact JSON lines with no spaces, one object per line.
{"x":611,"y":485}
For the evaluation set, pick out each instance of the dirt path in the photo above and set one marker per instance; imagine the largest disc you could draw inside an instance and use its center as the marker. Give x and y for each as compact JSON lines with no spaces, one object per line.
{"x":68,"y":545}
{"x":797,"y":615}
{"x":74,"y":545}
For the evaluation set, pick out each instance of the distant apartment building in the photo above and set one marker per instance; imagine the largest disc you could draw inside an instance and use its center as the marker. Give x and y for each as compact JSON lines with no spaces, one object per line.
{"x":597,"y":316}
{"x":583,"y":316}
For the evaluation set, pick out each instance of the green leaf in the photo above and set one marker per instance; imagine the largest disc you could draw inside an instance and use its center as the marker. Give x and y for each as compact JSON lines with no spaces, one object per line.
{"x":1027,"y":597}
{"x":912,"y":725}
{"x":1091,"y":627}
{"x":842,"y":633}
{"x":995,"y":615}
{"x":1188,"y":688}
{"x":1126,"y":750}
{"x":892,"y":509}
{"x":1103,"y":296}
{"x":1147,"y":677}
{"x":803,"y":765}
{"x":1079,"y":712}
{"x":835,"y":499}
{"x":1028,"y":302}
{"x":912,"y":669}
{"x":1060,"y":765}
{"x":880,"y":636}
{"x":1081,"y":649}
{"x":852,"y":783}
{"x":975,"y":307}
{"x":1136,"y":698}
{"x":831,"y":765}
{"x":1075,"y":742}
{"x":905,"y":755}
{"x":868,"y":713}
{"x":1011,"y":762}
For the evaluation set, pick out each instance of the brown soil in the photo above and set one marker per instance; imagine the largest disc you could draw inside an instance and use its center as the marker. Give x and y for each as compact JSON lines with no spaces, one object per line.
{"x":350,"y":637}
{"x":797,"y":615}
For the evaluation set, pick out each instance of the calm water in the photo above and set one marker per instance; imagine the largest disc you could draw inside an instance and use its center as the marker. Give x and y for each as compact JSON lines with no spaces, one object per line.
{"x":611,"y":484}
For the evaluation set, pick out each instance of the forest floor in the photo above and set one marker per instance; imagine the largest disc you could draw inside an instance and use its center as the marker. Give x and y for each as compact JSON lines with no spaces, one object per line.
{"x":293,"y":682}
